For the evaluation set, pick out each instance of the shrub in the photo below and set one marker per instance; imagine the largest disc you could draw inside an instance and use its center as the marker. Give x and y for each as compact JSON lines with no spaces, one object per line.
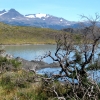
{"x":7,"y":84}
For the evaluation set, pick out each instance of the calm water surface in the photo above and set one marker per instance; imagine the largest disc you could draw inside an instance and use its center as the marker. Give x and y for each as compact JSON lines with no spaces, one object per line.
{"x":33,"y":52}
{"x":30,"y":52}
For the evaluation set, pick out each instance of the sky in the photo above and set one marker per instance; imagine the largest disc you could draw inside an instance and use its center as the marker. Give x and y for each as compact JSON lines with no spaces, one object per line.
{"x":68,"y":9}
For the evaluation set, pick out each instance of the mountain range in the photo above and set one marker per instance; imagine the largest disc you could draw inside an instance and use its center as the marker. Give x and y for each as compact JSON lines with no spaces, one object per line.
{"x":13,"y":17}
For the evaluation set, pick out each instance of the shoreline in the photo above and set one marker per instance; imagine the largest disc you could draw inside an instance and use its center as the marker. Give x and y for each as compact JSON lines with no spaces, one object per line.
{"x":36,"y":65}
{"x":27,"y":44}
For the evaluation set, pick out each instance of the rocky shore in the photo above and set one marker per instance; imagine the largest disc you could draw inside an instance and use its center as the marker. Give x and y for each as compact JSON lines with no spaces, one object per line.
{"x":29,"y":65}
{"x":35,"y":65}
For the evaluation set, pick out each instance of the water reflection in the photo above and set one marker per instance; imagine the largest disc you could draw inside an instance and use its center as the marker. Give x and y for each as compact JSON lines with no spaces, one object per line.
{"x":30,"y":52}
{"x":93,"y":75}
{"x":54,"y":71}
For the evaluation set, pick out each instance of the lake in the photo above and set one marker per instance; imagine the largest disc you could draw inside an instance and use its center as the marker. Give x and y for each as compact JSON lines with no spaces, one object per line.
{"x":30,"y":52}
{"x":34,"y":52}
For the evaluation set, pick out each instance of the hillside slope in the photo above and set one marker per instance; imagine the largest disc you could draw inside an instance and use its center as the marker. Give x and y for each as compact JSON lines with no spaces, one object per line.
{"x":26,"y":35}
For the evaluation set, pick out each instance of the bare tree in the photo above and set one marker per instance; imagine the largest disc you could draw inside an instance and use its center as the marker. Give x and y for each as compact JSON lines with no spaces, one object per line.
{"x":74,"y":59}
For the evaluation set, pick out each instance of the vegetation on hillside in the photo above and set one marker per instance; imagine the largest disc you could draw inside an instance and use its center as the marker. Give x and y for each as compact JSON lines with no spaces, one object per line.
{"x":26,"y":35}
{"x":29,"y":35}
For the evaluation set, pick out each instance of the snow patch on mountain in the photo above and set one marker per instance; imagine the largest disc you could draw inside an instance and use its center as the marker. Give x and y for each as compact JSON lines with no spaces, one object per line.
{"x":3,"y":13}
{"x":61,"y":20}
{"x":30,"y":16}
{"x":39,"y":15}
{"x":47,"y":16}
{"x":13,"y":18}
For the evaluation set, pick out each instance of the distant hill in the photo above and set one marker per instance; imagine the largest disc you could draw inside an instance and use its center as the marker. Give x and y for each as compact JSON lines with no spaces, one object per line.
{"x":26,"y":35}
{"x":13,"y":17}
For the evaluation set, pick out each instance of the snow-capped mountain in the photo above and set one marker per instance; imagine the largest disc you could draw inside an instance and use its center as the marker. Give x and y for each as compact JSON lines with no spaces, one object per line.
{"x":13,"y":17}
{"x":10,"y":14}
{"x":39,"y":15}
{"x":50,"y":18}
{"x":3,"y":12}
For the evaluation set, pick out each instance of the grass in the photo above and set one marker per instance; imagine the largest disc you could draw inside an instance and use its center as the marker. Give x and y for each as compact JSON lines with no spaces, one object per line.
{"x":20,"y":84}
{"x":26,"y":35}
{"x":9,"y":90}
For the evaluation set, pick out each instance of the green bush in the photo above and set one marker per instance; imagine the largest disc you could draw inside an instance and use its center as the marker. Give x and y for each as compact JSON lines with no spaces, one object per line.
{"x":6,"y":83}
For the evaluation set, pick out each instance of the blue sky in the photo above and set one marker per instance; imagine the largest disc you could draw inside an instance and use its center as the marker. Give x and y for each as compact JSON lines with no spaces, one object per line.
{"x":68,"y":9}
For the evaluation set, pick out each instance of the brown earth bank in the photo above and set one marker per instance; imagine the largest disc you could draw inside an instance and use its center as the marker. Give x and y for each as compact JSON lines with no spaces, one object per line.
{"x":36,"y":65}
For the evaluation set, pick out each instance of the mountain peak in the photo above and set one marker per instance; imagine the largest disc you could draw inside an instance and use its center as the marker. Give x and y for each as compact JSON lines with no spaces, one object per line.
{"x":12,"y":13}
{"x":12,"y":10}
{"x":3,"y":11}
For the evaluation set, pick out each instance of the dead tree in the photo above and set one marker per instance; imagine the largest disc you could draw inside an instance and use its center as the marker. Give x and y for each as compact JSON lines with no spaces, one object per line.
{"x":74,"y":59}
